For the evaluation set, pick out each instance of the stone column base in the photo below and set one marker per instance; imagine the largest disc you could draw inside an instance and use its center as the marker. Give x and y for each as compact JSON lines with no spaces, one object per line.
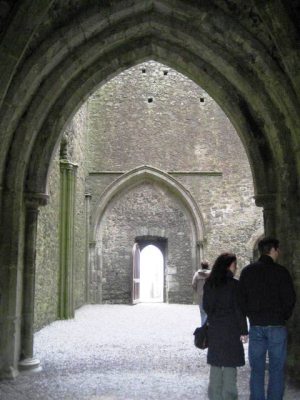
{"x":30,"y":365}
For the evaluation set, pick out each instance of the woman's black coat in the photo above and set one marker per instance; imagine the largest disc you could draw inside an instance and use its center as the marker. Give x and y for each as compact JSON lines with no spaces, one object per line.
{"x":226,"y":324}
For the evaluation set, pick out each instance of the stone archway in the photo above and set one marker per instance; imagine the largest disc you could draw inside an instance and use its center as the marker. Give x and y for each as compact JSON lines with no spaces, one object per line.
{"x":190,"y":213}
{"x":50,"y":71}
{"x":138,"y":175}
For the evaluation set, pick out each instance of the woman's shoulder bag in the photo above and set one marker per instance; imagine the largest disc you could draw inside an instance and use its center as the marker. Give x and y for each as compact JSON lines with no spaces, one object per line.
{"x":201,"y":333}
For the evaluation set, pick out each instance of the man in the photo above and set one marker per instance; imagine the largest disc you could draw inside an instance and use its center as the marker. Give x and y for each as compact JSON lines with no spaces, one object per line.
{"x":267,"y":297}
{"x":197,"y":284}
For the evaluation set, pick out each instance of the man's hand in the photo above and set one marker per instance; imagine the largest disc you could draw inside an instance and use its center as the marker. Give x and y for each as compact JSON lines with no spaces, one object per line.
{"x":244,"y":338}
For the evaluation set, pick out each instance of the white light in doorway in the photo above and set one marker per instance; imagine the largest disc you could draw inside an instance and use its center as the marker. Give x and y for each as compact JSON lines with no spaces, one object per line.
{"x":152,"y":275}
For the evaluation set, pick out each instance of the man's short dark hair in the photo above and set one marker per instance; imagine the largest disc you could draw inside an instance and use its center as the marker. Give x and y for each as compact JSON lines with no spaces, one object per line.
{"x":204,"y":264}
{"x":266,"y":244}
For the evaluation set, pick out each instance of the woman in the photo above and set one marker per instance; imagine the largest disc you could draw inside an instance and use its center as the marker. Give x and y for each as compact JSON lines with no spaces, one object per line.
{"x":227,"y":328}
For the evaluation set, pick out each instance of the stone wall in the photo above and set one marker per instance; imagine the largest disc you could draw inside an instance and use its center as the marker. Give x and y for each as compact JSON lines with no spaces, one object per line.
{"x":149,"y":115}
{"x":153,"y":115}
{"x":230,"y":215}
{"x":148,"y":209}
{"x":47,"y":255}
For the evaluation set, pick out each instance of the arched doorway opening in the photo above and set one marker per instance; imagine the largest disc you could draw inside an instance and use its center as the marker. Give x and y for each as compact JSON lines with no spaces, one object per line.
{"x":144,"y":206}
{"x":152,"y":275}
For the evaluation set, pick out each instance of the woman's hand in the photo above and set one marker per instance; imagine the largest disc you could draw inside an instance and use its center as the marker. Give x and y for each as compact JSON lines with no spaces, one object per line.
{"x":244,"y":338}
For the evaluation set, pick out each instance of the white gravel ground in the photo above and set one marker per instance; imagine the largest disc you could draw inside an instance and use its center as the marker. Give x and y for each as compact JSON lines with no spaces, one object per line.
{"x":112,"y":352}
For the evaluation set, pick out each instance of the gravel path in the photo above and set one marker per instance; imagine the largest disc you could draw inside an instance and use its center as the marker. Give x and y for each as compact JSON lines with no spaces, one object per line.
{"x":115,"y":352}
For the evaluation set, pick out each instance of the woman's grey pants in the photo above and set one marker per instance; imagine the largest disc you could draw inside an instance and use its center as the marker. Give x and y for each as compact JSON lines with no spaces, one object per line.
{"x":222,"y":383}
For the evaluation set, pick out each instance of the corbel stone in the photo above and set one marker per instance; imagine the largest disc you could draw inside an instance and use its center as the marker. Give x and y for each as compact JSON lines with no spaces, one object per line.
{"x":268,"y":202}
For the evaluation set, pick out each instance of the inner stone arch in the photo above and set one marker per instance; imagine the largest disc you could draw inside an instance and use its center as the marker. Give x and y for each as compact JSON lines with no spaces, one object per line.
{"x":138,"y":175}
{"x":144,"y":210}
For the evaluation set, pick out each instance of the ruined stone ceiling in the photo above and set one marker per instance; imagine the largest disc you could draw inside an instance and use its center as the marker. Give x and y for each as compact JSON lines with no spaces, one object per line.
{"x":64,"y":12}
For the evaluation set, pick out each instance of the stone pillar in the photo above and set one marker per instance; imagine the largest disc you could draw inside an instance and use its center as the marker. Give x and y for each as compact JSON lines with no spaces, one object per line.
{"x":68,"y":173}
{"x":98,"y":274}
{"x":27,"y":361}
{"x":87,"y":248}
{"x":93,"y":281}
{"x":268,"y":202}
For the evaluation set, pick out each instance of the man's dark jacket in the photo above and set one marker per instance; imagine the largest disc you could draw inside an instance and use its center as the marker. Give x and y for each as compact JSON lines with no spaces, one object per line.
{"x":266,"y":293}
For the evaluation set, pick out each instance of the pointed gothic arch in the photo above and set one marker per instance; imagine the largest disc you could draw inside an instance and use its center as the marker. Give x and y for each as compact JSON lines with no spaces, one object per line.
{"x":134,"y":178}
{"x":149,"y":37}
{"x":174,"y":190}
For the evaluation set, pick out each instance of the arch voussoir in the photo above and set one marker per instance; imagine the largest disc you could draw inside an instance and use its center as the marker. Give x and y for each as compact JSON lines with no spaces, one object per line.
{"x":191,"y":65}
{"x":79,"y":58}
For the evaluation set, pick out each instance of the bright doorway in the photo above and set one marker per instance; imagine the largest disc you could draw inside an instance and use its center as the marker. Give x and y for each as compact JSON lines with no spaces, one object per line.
{"x":152,"y":275}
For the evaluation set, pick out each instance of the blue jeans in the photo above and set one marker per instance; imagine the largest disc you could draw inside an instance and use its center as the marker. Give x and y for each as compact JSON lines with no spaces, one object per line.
{"x":263,"y":339}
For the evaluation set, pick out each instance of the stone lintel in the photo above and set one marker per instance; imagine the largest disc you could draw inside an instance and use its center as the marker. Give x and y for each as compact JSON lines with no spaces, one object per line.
{"x":107,"y":173}
{"x":201,"y":173}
